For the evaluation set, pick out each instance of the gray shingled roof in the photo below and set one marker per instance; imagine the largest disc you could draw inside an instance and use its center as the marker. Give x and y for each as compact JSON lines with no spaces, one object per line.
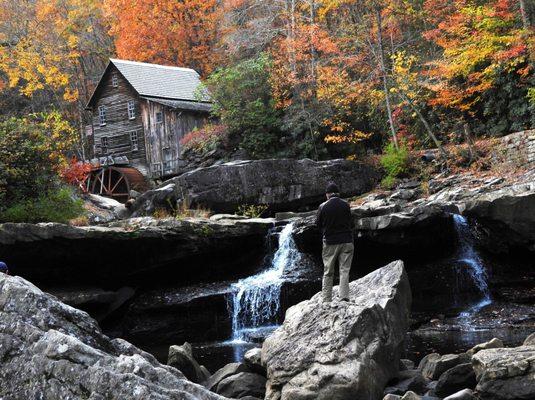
{"x":182,"y":105}
{"x":152,"y":80}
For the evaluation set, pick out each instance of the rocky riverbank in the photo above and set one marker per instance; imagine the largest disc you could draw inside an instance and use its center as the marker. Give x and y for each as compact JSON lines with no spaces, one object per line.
{"x":168,"y":281}
{"x":52,"y":351}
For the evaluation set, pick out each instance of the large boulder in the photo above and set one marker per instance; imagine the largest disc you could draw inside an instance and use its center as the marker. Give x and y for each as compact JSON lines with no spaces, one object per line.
{"x":242,"y":385}
{"x":460,"y":377}
{"x":411,"y":380}
{"x":181,"y":357}
{"x":505,"y":373}
{"x":253,"y":359}
{"x":344,"y":350}
{"x":52,"y":351}
{"x":221,"y":374}
{"x":434,"y":365}
{"x":282,"y":184}
{"x":508,"y":215}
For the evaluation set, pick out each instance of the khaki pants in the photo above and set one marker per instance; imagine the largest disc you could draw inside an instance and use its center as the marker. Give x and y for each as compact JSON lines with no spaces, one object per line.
{"x":343,"y":253}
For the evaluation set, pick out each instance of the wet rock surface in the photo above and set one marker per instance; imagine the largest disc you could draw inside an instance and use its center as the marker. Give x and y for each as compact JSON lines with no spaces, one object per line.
{"x":336,"y":350}
{"x":51,"y":350}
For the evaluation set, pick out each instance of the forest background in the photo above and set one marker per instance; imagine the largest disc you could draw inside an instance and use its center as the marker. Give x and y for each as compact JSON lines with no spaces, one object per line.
{"x":289,"y":78}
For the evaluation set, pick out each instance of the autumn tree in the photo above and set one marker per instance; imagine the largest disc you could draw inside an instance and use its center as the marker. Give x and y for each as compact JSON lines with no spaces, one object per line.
{"x":484,"y":51}
{"x":170,"y":32}
{"x":54,"y":48}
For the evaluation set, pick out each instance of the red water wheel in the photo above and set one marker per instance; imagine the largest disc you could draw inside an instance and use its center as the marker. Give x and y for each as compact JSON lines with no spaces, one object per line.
{"x":116,"y":182}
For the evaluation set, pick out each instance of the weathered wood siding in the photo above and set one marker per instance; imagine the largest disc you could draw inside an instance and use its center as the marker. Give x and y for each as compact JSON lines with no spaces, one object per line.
{"x":163,"y":138}
{"x":118,"y":128}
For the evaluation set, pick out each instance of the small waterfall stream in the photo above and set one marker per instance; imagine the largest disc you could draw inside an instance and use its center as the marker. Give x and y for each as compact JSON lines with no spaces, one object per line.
{"x":255,"y":301}
{"x":476,"y":270}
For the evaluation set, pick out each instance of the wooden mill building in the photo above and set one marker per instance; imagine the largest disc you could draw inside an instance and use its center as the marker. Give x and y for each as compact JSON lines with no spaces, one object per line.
{"x":139,"y":113}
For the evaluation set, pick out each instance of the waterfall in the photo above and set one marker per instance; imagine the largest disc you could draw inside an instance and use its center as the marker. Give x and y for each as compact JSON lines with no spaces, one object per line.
{"x":255,"y":300}
{"x":469,"y":256}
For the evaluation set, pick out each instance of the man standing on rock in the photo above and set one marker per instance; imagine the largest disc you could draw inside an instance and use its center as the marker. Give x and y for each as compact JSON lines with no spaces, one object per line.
{"x":336,"y":225}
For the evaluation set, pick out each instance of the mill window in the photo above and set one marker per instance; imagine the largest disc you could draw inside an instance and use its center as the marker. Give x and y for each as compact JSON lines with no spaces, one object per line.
{"x":102,"y":115}
{"x":134,"y":141}
{"x":159,"y":117}
{"x":104,"y":145}
{"x":114,"y":80}
{"x":131,"y":109}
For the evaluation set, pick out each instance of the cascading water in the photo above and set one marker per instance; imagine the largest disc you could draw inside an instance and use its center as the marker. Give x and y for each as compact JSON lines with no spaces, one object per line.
{"x":469,"y":256}
{"x":255,"y":300}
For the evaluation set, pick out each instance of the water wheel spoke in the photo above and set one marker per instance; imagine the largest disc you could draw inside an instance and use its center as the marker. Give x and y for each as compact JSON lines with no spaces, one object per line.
{"x":96,"y":181}
{"x":101,"y":179}
{"x":117,"y":183}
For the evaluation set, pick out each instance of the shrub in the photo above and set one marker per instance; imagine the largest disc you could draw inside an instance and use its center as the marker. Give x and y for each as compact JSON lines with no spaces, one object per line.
{"x":396,"y":163}
{"x":31,"y":155}
{"x":252,"y":210}
{"x":53,"y":206}
{"x":204,"y":139}
{"x":75,"y":173}
{"x":243,"y":100}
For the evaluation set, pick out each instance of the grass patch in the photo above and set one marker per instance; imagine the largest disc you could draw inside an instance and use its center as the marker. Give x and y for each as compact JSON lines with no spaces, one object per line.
{"x":54,"y":206}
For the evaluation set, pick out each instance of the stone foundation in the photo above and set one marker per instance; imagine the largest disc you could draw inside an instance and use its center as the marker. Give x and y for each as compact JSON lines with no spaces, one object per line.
{"x":519,"y":148}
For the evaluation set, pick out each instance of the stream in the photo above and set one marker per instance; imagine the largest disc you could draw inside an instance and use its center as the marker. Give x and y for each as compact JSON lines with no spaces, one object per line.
{"x":254,"y":304}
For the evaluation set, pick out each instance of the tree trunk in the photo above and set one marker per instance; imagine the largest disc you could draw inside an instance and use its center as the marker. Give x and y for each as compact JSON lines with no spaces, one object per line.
{"x":428,"y":129}
{"x":524,"y":14}
{"x":384,"y":75}
{"x":469,"y":141}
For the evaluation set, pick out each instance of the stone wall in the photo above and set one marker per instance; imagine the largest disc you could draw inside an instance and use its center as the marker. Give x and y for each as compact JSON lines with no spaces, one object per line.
{"x":519,"y":148}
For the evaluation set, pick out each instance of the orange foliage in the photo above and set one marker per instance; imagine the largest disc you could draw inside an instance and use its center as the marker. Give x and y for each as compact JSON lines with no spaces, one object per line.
{"x":76,"y":173}
{"x":478,"y":41}
{"x":167,"y":32}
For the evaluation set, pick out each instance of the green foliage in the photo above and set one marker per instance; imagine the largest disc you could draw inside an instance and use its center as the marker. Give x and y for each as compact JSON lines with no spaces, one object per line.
{"x":242,"y":99}
{"x":31,"y":154}
{"x":53,"y":206}
{"x":252,"y":210}
{"x":396,"y":163}
{"x":531,"y":95}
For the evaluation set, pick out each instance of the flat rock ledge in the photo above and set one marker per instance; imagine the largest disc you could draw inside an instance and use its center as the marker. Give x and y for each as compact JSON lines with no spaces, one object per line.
{"x":506,"y":373}
{"x":343,"y":350}
{"x":49,"y":350}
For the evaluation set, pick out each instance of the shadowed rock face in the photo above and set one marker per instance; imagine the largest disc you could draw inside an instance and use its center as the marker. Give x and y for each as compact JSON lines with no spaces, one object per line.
{"x":128,"y":253}
{"x":282,"y":184}
{"x":508,"y":216}
{"x":341,"y":351}
{"x":52,"y":351}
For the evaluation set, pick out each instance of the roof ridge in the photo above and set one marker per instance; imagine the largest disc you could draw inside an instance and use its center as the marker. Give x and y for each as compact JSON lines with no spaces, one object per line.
{"x":114,"y":60}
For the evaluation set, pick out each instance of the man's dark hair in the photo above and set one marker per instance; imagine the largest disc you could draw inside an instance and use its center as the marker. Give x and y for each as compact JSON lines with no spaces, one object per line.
{"x":332,"y":188}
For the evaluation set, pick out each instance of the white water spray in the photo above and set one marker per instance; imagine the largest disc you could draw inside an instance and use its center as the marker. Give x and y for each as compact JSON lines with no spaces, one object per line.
{"x":256,"y":300}
{"x":468,"y":255}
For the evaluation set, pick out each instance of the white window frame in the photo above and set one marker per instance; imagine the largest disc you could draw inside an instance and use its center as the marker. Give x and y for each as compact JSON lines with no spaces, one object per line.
{"x":157,"y":167}
{"x":102,"y":115}
{"x":104,"y":143}
{"x":115,"y":80}
{"x":131,"y":107}
{"x":134,"y":140}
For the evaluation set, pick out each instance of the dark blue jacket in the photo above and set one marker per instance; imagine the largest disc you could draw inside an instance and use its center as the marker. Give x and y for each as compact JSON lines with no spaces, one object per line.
{"x":335,"y":222}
